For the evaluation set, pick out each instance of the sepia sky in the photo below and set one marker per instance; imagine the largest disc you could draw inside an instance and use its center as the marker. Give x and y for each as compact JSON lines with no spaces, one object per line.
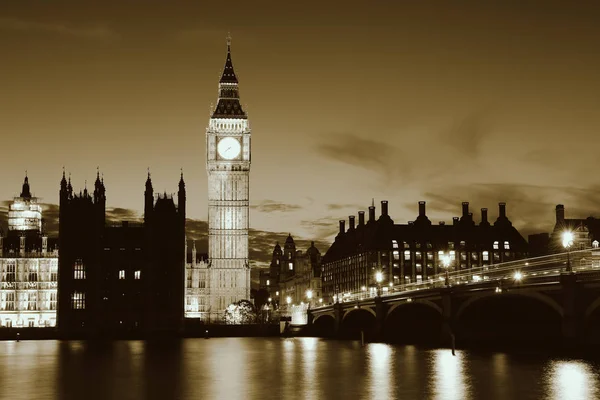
{"x":398,"y":100}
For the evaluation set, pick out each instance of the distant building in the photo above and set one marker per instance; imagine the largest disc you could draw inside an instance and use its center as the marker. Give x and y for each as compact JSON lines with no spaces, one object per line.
{"x":197,"y":286}
{"x":586,"y":232}
{"x":120,"y":278}
{"x":28,"y":265}
{"x":413,"y":252}
{"x":293,"y":274}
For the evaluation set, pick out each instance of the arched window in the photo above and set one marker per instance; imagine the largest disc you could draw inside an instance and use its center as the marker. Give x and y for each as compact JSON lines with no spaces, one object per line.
{"x":394,"y":244}
{"x":595,"y":244}
{"x":496,"y":245}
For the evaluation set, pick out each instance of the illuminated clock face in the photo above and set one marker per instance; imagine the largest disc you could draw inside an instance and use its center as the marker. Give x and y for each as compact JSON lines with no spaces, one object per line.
{"x":229,"y":148}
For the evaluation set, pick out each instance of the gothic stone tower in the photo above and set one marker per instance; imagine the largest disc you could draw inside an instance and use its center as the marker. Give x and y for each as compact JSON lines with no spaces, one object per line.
{"x":228,"y":167}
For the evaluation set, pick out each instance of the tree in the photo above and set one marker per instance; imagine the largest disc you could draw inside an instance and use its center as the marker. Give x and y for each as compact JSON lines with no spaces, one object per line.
{"x":240,"y":313}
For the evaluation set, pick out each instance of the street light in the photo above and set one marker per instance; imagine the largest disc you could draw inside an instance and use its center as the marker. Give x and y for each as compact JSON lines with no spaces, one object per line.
{"x":309,"y":295}
{"x":518,"y":276}
{"x":288,"y":300}
{"x":567,"y":242}
{"x":378,"y":278}
{"x":446,"y":263}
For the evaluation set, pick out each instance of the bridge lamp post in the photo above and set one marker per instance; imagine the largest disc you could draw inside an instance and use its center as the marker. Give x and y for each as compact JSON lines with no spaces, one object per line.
{"x":378,"y":279}
{"x":446,"y":263}
{"x":567,"y":242}
{"x":309,"y":295}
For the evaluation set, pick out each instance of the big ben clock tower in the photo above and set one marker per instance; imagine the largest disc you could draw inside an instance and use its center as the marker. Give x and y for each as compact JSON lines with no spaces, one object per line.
{"x":228,"y":167}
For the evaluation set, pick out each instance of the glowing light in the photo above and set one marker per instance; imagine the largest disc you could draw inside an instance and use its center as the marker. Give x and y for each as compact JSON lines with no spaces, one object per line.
{"x":476,"y":278}
{"x":320,"y":300}
{"x":364,"y":288}
{"x":518,"y":276}
{"x":409,"y":300}
{"x":269,"y":299}
{"x":446,"y":260}
{"x":379,"y":276}
{"x":498,"y":290}
{"x":288,"y":299}
{"x":567,"y":239}
{"x":309,"y":294}
{"x":277,"y":293}
{"x":448,"y":376}
{"x":572,"y":380}
{"x":391,"y":284}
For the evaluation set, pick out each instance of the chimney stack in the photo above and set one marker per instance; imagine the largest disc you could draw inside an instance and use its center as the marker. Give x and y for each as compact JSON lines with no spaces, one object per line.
{"x":465,"y":208}
{"x":371,"y":213}
{"x":342,"y":226}
{"x":351,"y":219}
{"x":421,"y":209}
{"x":384,"y":207}
{"x":560,"y":213}
{"x":454,"y":220}
{"x":361,"y":218}
{"x":502,"y":210}
{"x":442,"y":223}
{"x":484,"y":218}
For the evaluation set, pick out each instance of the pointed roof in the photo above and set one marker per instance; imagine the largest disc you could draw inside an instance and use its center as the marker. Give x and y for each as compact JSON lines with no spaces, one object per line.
{"x":229,"y":105}
{"x":228,"y":75}
{"x":26,"y":193}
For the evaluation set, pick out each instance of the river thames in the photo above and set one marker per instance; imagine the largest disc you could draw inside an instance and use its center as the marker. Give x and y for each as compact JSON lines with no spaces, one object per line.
{"x":274,"y":368}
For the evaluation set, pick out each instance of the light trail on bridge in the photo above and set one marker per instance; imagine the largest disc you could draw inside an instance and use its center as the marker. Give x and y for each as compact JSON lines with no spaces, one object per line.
{"x":510,"y":271}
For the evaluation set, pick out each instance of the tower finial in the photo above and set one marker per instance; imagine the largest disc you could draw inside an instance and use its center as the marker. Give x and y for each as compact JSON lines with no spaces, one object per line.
{"x":228,"y":42}
{"x":98,"y":172}
{"x":372,"y":202}
{"x":148,"y":172}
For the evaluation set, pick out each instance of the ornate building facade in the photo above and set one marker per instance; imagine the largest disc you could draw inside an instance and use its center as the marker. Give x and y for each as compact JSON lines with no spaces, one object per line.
{"x":414,"y":252}
{"x":120,"y":278}
{"x":28,"y":267}
{"x":228,"y":168}
{"x":293,"y":274}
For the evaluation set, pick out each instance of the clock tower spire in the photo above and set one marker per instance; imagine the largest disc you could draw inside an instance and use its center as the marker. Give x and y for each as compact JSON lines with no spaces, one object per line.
{"x":228,"y":168}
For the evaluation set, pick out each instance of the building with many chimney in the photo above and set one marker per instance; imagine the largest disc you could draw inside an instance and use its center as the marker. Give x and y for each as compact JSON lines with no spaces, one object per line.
{"x":124,"y":278}
{"x":28,"y":266}
{"x":413,"y":252}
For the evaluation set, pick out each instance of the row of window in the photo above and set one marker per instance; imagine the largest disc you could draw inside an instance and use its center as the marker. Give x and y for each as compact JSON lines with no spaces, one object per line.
{"x":462,"y":243}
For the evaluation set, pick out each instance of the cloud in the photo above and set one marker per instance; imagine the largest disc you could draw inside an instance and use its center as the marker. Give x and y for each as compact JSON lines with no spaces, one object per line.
{"x":352,"y":150}
{"x":268,"y":206}
{"x":335,"y":207}
{"x":91,"y":32}
{"x":117,"y":214}
{"x":467,"y":134}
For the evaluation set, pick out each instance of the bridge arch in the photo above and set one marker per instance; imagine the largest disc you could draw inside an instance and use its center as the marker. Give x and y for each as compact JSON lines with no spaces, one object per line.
{"x":325,"y":314}
{"x":354,"y":309}
{"x":416,"y":301}
{"x":533,"y":295}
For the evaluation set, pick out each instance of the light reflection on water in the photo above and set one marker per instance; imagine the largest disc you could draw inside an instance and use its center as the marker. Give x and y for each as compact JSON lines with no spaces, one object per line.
{"x":297,"y":368}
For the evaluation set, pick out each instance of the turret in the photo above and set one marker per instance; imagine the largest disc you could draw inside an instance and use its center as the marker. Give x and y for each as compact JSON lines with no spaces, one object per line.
{"x":100,"y":199}
{"x":26,"y":193}
{"x":64,"y":192}
{"x":148,"y":200}
{"x":181,"y":198}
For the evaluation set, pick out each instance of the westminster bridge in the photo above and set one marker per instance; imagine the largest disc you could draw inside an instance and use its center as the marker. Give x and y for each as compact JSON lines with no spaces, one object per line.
{"x":550,"y":299}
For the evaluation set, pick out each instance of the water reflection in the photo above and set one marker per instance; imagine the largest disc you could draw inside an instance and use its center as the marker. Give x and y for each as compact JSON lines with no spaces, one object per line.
{"x":380,"y":364}
{"x":449,"y":378}
{"x":274,"y":368}
{"x":572,"y":380}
